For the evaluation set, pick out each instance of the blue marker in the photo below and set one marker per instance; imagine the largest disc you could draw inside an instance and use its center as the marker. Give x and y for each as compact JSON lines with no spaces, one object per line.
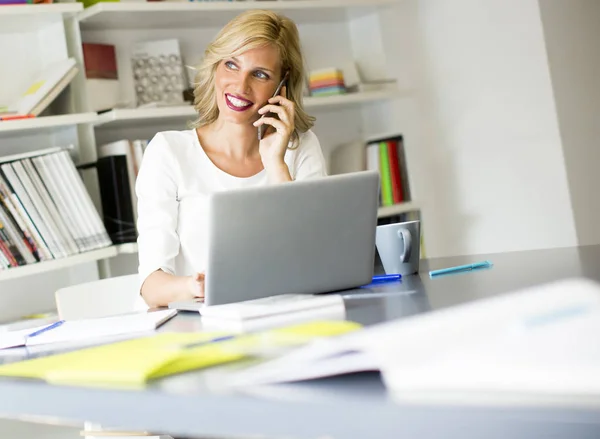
{"x":459,"y":268}
{"x":206,"y":342}
{"x":386,"y":278}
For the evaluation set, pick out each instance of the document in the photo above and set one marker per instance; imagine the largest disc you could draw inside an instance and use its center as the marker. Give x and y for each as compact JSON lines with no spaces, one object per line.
{"x":537,"y":344}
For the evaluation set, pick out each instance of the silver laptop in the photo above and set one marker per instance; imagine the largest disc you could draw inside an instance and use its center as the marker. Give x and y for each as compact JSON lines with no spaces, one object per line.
{"x":305,"y":237}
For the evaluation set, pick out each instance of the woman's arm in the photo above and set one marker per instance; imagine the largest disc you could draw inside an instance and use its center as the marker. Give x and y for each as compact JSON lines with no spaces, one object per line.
{"x":160,"y":288}
{"x":158,"y":240}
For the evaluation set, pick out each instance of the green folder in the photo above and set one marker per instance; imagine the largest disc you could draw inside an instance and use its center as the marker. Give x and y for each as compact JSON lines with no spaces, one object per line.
{"x":387,"y":197}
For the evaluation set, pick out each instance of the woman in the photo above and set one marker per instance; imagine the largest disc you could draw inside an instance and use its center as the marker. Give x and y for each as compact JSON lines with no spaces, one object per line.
{"x":234,"y":90}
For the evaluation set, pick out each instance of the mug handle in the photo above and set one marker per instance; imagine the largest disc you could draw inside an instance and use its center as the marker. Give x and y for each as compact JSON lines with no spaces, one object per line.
{"x":406,"y":237}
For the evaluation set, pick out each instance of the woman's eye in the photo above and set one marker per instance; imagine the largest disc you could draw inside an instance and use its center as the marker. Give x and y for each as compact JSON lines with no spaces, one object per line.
{"x":230,"y":65}
{"x":261,"y":75}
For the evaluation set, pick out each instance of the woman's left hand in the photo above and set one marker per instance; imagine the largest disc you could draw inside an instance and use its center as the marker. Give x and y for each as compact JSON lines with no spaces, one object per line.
{"x":273,"y":145}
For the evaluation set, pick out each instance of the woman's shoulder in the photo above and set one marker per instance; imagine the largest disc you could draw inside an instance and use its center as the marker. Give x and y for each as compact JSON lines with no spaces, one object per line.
{"x":308,"y":139}
{"x":308,"y":143}
{"x":169,"y":145}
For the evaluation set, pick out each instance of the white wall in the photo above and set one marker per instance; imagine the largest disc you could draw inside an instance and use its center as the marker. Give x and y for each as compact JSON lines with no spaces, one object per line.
{"x":495,"y":178}
{"x":572,"y":34}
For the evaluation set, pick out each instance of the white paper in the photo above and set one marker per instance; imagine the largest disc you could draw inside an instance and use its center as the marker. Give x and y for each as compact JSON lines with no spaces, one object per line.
{"x":88,"y":329}
{"x":11,"y":339}
{"x":335,"y":312}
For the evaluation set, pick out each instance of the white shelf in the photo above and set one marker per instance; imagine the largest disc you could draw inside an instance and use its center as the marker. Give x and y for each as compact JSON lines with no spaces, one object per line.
{"x":57,"y":264}
{"x":127,"y":249}
{"x":163,"y":15}
{"x":43,"y":9}
{"x":397,"y":209}
{"x":46,"y":122}
{"x":20,"y":18}
{"x":350,"y":99}
{"x":126,"y":117}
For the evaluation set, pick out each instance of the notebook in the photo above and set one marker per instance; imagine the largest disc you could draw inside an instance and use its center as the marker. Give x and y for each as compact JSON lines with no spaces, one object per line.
{"x":87,"y":329}
{"x":132,"y":363}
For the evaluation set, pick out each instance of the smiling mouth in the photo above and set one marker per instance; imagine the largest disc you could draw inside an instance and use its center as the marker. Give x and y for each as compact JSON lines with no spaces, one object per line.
{"x":236,"y":103}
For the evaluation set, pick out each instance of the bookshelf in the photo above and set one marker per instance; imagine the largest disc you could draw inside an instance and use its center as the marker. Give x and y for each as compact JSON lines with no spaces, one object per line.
{"x":361,"y":31}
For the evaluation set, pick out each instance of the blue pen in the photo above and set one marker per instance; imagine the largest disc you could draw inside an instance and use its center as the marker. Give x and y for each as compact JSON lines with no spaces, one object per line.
{"x":47,"y":328}
{"x":467,"y":267}
{"x":205,"y":342}
{"x":386,"y":278}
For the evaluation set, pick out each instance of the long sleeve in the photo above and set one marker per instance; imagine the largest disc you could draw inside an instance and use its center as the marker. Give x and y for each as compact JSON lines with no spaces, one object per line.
{"x":156,"y":189}
{"x":309,"y":161}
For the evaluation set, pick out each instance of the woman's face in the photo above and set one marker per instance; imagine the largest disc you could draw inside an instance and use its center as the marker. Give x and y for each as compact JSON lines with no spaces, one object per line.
{"x":244,"y":84}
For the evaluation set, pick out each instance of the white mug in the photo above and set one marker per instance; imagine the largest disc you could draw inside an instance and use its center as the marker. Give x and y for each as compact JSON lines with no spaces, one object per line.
{"x":399,"y":246}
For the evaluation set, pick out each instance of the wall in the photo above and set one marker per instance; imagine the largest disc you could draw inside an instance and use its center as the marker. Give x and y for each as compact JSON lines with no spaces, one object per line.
{"x":495,"y":178}
{"x":572,"y":34}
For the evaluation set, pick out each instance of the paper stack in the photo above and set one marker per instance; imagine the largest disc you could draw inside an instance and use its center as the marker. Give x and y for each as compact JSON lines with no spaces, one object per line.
{"x":273,"y":311}
{"x":326,"y":82}
{"x":531,"y":346}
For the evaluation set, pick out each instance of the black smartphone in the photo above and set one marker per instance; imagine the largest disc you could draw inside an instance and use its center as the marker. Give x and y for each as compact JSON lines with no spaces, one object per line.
{"x":262,"y":128}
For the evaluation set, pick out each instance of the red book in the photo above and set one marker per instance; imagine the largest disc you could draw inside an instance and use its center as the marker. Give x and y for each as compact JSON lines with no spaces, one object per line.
{"x":392,"y":146}
{"x":100,"y":61}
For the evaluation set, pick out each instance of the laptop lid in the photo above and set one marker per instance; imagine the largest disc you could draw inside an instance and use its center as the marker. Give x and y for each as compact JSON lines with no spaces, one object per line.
{"x":303,"y":237}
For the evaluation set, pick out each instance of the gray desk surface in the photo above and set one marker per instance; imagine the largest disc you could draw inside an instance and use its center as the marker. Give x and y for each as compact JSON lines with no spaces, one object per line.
{"x":354,"y":406}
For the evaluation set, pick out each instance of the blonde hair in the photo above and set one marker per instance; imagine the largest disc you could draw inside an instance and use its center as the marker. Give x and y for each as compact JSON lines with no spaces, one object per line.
{"x":250,"y":30}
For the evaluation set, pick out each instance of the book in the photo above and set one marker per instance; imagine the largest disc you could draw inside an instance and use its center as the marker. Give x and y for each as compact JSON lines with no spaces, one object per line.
{"x":132,"y":363}
{"x":100,"y":61}
{"x":45,"y":88}
{"x":116,"y":196}
{"x":87,"y":329}
{"x":385,"y":154}
{"x":533,"y":345}
{"x":386,"y":180}
{"x":158,"y":73}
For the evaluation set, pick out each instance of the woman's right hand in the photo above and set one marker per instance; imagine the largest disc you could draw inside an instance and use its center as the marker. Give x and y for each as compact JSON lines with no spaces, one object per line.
{"x":162,"y":288}
{"x":196,"y":285}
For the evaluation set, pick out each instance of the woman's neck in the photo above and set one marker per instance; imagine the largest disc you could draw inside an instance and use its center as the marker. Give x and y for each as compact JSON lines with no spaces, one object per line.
{"x":236,"y":141}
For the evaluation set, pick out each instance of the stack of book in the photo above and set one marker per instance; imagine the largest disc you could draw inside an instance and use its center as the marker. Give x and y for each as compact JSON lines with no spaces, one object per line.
{"x":118,"y":165}
{"x":386,"y":155}
{"x":45,"y":211}
{"x":326,"y":82}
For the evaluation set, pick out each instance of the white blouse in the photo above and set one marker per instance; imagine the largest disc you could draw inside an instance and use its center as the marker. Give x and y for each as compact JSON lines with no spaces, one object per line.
{"x":172,"y":186}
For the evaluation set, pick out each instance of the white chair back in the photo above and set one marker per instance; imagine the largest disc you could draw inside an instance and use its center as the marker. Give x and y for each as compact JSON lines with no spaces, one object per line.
{"x":100,"y":298}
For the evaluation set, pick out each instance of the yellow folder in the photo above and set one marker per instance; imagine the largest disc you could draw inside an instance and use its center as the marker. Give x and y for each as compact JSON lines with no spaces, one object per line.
{"x":132,"y":363}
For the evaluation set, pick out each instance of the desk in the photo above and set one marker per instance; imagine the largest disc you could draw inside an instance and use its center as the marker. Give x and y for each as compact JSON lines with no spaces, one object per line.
{"x":344,"y":407}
